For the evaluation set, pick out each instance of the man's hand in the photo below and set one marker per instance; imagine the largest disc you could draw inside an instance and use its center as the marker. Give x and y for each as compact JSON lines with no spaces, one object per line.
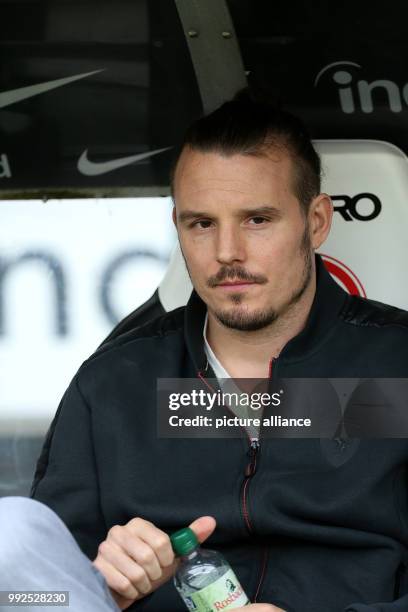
{"x":137,"y":558}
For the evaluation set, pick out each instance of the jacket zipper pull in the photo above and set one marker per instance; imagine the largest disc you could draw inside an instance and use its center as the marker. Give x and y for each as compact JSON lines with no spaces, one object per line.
{"x":341,"y":443}
{"x":252,"y":454}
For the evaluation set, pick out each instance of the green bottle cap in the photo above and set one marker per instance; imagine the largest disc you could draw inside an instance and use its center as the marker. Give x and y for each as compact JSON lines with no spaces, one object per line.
{"x":184,"y":541}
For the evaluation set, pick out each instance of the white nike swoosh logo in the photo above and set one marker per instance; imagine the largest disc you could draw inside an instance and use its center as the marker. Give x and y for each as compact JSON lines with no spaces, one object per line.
{"x":22,"y":93}
{"x":90,"y":168}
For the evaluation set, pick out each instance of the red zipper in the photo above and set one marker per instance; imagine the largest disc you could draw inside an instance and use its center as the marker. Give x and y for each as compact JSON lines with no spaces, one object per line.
{"x":249,"y":472}
{"x":253,"y":451}
{"x":264,"y":563}
{"x":251,"y":468}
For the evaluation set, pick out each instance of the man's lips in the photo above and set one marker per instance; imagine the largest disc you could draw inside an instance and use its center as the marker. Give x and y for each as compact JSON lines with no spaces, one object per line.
{"x":236,"y":285}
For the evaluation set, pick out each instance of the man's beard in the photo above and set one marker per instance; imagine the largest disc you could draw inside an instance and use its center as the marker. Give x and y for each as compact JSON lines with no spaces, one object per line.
{"x":260,"y":319}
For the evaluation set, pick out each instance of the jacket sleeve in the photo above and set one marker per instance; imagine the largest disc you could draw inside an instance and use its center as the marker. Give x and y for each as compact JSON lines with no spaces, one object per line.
{"x":66,"y":477}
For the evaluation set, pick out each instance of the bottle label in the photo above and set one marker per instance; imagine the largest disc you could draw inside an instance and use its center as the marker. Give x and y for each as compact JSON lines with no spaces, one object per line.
{"x":225,"y":593}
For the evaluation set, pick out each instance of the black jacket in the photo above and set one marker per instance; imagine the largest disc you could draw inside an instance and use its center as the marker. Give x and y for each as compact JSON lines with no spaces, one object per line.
{"x":316,"y":527}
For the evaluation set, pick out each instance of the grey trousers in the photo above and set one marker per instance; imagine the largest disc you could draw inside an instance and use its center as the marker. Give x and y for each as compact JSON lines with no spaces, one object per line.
{"x":38,"y":553}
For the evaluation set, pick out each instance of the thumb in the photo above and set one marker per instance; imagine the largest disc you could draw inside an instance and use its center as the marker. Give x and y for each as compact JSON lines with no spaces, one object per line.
{"x":203,"y":527}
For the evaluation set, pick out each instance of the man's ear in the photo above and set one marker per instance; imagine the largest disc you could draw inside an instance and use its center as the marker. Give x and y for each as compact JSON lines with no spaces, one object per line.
{"x":320,"y":217}
{"x":174,"y":215}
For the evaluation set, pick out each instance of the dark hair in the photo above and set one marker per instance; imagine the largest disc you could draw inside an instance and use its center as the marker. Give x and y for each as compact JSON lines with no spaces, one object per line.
{"x":250,"y":126}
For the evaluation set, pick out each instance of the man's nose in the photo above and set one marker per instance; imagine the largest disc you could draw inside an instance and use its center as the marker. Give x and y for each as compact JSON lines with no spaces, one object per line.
{"x":229,"y":245}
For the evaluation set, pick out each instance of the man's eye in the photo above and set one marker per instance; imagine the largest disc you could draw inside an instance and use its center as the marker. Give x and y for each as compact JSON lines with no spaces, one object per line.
{"x":258,"y":220}
{"x":203,"y":224}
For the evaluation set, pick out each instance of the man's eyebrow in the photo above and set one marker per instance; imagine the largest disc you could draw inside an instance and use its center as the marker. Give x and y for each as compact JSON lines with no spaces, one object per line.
{"x":260,"y":210}
{"x":187,"y":215}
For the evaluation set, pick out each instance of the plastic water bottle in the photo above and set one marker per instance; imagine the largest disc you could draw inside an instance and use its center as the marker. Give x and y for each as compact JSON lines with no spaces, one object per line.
{"x":204,"y":579}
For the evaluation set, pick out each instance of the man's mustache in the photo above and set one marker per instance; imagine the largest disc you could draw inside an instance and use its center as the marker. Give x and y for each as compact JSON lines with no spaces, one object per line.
{"x":234,"y":275}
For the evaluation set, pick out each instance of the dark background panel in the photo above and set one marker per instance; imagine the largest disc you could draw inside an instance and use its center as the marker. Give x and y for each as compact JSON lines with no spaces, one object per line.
{"x":285,"y":46}
{"x":142,"y":98}
{"x":343,"y":67}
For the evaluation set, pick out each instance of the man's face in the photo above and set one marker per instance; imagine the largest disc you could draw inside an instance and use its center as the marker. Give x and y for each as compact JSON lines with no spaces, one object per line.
{"x":238,"y":221}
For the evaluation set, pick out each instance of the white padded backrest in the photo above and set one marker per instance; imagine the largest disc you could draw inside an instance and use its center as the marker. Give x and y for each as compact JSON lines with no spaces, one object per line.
{"x":175,"y":287}
{"x":366,"y":257}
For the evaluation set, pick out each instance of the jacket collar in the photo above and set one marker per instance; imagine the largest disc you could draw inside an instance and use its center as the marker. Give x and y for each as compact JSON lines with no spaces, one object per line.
{"x":194,"y":318}
{"x":323,"y":316}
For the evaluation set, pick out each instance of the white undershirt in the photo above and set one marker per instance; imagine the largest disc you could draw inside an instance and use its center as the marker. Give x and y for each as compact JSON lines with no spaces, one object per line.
{"x":222,"y":374}
{"x":216,"y":365}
